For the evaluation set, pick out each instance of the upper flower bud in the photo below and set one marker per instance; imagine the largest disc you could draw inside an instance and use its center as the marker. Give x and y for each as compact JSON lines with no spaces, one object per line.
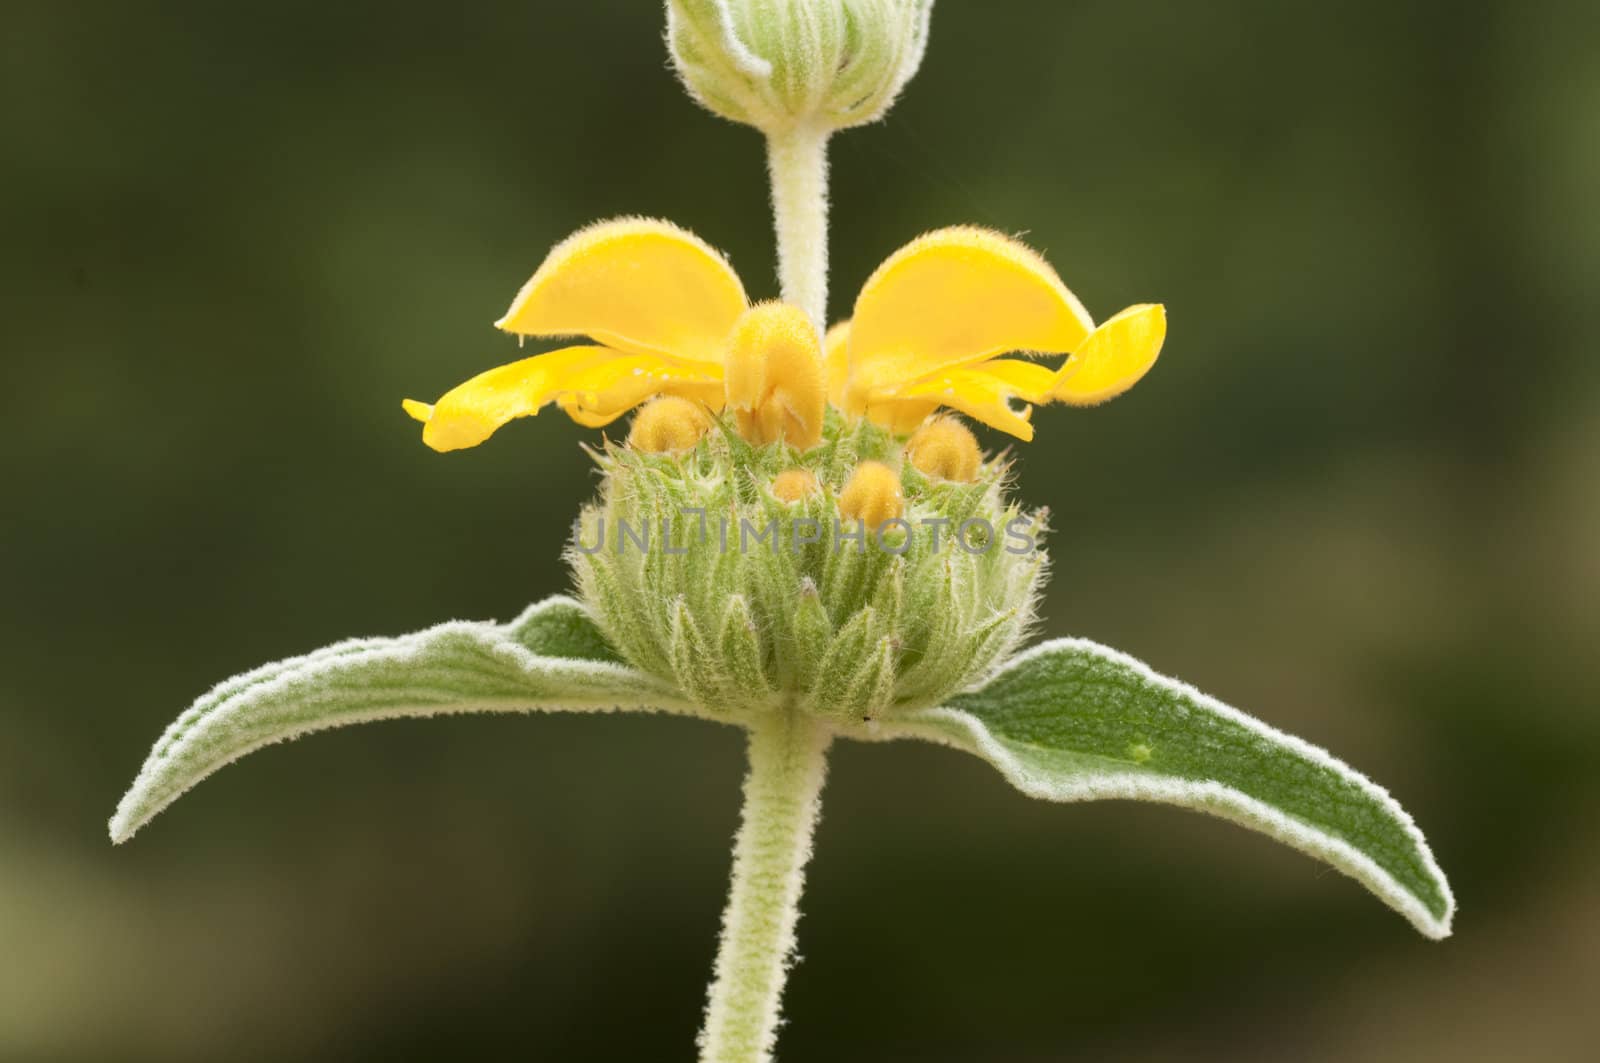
{"x":776,"y":63}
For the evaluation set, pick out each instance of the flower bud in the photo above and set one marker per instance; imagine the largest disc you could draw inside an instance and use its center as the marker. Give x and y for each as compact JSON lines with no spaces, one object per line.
{"x":872,"y":495}
{"x":777,"y":63}
{"x":945,"y":449}
{"x":792,"y":485}
{"x":748,"y":602}
{"x":773,"y":376}
{"x":667,"y":424}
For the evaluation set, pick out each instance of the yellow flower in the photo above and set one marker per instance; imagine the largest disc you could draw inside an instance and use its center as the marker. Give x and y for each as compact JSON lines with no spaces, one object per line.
{"x":667,"y":315}
{"x":931,"y":324}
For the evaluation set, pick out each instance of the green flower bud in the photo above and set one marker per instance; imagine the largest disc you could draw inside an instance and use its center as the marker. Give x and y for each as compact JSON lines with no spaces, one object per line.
{"x":777,"y":63}
{"x":703,"y":568}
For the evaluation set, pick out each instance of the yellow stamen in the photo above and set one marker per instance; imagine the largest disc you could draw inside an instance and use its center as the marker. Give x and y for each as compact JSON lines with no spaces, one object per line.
{"x":792,"y":485}
{"x":668,"y":424}
{"x":945,"y":449}
{"x":872,"y":495}
{"x":774,"y":378}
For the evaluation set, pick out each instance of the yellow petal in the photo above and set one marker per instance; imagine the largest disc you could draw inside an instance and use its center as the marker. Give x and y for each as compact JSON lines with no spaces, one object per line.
{"x":954,"y":297}
{"x":589,"y":418}
{"x":1114,"y":357}
{"x":613,"y":388}
{"x":1028,"y":381}
{"x":900,"y":416}
{"x":986,"y":392}
{"x":836,"y":360}
{"x":596,"y":409}
{"x":595,"y":384}
{"x":988,"y":386}
{"x":638,"y":285}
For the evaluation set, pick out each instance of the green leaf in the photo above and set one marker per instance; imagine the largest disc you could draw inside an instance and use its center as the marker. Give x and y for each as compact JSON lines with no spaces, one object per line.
{"x":1070,"y":720}
{"x":561,"y":627}
{"x":551,"y":658}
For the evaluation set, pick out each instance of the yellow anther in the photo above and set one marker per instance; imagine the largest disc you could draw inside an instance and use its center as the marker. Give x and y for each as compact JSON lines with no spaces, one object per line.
{"x":668,"y":423}
{"x":792,"y":485}
{"x":946,"y":449}
{"x":774,"y":377}
{"x":872,"y":495}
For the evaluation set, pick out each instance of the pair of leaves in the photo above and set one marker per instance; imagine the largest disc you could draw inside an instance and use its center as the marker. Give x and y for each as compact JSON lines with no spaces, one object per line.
{"x":1068,"y":720}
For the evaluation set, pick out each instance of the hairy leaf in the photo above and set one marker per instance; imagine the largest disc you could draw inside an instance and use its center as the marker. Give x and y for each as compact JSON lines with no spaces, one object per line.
{"x":1070,"y":720}
{"x":551,"y":658}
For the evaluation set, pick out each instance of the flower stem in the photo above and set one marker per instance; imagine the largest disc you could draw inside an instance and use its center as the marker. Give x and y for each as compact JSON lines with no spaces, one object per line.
{"x":788,"y":750}
{"x":797,"y":162}
{"x":788,"y":760}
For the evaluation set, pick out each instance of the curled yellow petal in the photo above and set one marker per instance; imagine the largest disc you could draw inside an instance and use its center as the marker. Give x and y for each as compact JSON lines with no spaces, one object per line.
{"x":945,"y":449}
{"x":952,"y":298}
{"x":594,"y":385}
{"x":1028,"y":381}
{"x":872,"y":495}
{"x":987,"y":392}
{"x":1114,"y":357}
{"x":588,"y":418}
{"x":668,"y":424}
{"x":635,"y":284}
{"x":773,"y":376}
{"x":469,"y":413}
{"x":609,"y":390}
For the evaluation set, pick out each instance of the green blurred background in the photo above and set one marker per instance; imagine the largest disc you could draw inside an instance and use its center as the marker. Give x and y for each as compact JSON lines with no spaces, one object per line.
{"x":1358,"y":497}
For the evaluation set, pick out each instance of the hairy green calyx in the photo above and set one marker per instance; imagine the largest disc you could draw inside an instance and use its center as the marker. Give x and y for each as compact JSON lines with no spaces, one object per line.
{"x":701,"y":574}
{"x":771,"y":63}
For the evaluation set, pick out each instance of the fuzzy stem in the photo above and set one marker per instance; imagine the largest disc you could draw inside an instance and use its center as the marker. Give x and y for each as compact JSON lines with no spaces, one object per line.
{"x":788,"y":760}
{"x":797,"y":162}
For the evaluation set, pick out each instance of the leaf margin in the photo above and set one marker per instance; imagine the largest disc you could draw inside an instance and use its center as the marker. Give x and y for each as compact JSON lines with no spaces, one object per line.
{"x":604,"y":686}
{"x":959,"y":729}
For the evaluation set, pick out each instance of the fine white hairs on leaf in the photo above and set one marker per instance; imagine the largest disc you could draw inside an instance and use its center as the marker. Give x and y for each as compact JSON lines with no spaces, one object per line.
{"x":549,"y":659}
{"x":1071,"y":720}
